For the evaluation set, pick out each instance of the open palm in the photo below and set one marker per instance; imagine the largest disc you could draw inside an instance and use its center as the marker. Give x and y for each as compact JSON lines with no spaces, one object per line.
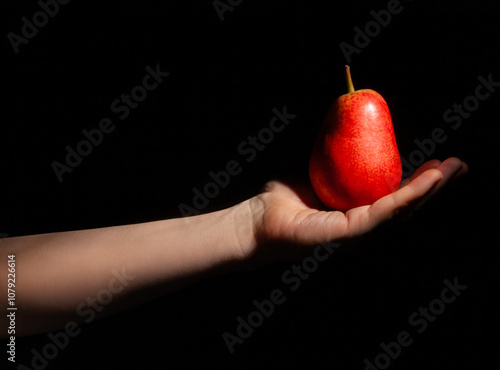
{"x":293,"y":214}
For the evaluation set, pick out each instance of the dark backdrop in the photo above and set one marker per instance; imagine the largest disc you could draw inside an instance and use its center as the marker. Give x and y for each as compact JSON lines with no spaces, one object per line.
{"x":226,"y":76}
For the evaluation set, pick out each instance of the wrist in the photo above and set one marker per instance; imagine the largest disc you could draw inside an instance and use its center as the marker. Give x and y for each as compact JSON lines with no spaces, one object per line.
{"x":246,"y":219}
{"x":225,"y":238}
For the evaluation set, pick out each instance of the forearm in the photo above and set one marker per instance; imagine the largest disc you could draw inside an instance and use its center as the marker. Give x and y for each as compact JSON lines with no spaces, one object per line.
{"x":59,"y":274}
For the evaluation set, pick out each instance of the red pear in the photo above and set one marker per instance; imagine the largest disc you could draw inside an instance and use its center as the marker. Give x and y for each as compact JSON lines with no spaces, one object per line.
{"x":355,"y":159}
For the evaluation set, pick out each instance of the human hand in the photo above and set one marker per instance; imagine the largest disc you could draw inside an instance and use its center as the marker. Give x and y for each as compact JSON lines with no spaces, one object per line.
{"x":291,"y":217}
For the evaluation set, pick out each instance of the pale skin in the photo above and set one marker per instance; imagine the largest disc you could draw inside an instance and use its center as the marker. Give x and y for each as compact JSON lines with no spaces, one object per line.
{"x":58,"y":272}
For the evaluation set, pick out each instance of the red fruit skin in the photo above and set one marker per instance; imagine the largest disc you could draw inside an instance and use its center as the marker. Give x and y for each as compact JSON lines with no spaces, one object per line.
{"x":355,"y":159}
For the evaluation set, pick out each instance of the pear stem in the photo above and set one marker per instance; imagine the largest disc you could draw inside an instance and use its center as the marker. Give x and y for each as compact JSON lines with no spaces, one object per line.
{"x":350,"y":86}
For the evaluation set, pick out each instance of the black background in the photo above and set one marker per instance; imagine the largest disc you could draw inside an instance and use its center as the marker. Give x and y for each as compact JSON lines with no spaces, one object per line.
{"x":225,"y":79}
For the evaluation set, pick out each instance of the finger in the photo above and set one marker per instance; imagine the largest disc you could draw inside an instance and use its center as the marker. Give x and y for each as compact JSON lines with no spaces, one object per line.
{"x":433,"y":163}
{"x":451,"y":169}
{"x":363,"y":219}
{"x":280,"y":187}
{"x":300,"y":191}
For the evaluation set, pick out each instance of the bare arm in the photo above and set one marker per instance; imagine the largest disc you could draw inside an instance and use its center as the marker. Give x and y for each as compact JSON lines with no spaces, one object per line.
{"x":60,"y":276}
{"x":81,"y":275}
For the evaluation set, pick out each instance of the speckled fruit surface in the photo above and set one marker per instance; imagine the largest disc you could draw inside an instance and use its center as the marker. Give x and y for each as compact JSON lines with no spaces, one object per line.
{"x":355,"y":159}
